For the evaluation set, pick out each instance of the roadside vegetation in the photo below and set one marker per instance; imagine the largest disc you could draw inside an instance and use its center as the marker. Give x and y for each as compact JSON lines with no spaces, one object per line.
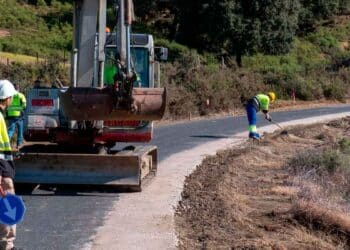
{"x":209,"y":70}
{"x":36,"y":29}
{"x":286,"y":192}
{"x":322,"y":178}
{"x":11,"y":57}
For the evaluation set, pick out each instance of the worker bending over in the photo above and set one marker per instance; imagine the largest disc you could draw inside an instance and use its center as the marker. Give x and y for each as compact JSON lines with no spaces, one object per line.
{"x":15,"y":116}
{"x":7,"y":169}
{"x":260,"y":102}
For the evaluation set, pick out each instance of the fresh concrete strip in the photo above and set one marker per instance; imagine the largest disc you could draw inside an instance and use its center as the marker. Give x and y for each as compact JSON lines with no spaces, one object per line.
{"x":145,"y":220}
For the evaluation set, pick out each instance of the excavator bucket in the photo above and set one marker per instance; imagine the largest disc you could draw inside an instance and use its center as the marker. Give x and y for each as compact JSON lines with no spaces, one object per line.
{"x":126,"y":168}
{"x":79,"y":104}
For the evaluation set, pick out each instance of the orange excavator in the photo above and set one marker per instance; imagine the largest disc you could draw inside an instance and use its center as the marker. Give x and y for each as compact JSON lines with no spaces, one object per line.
{"x":114,"y":97}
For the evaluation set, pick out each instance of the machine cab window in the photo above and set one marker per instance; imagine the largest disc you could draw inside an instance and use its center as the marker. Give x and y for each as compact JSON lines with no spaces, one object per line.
{"x":140,"y":62}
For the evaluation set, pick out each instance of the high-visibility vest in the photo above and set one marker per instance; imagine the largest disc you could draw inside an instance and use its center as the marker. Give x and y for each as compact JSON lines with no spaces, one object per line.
{"x":109,"y":73}
{"x":263,"y":101}
{"x":5,"y":146}
{"x":18,"y":104}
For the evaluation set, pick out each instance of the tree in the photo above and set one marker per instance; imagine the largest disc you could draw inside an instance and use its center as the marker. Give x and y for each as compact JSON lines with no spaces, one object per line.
{"x":315,"y":10}
{"x":237,"y":27}
{"x":144,"y":8}
{"x":279,"y":22}
{"x":41,"y":3}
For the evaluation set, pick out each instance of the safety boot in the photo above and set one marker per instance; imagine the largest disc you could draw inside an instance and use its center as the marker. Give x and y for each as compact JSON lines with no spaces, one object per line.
{"x":254,"y":135}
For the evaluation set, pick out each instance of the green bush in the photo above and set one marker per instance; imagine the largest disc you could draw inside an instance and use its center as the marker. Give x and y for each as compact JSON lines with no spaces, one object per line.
{"x":344,"y":145}
{"x":325,"y":162}
{"x":303,"y":57}
{"x":34,"y":31}
{"x":335,"y":91}
{"x":307,"y":88}
{"x":176,"y":50}
{"x":286,"y":64}
{"x":324,"y":40}
{"x":41,"y":3}
{"x":308,"y":55}
{"x":332,"y":160}
{"x":25,"y":74}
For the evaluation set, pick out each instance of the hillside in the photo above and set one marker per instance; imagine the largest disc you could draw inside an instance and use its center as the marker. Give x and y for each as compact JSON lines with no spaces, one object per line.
{"x":36,"y":30}
{"x":200,"y":80}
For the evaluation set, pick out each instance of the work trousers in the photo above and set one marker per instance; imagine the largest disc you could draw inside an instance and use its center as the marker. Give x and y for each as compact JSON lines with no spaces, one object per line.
{"x":7,"y":233}
{"x":251,"y":115}
{"x":13,"y":123}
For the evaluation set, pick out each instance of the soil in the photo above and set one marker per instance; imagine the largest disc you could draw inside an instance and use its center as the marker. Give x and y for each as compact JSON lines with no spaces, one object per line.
{"x":245,"y":197}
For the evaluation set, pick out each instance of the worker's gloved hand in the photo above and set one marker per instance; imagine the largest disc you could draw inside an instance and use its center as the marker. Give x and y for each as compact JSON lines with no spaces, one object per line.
{"x":268,"y":117}
{"x":16,"y":155}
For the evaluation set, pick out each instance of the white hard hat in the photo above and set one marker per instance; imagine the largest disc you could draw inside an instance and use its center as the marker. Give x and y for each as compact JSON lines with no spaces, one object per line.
{"x":6,"y":89}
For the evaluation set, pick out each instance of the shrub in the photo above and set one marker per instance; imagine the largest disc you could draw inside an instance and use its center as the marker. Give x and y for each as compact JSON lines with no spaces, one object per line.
{"x":332,"y":160}
{"x":286,"y":64}
{"x":176,"y":50}
{"x":26,"y":74}
{"x":320,"y":163}
{"x":306,"y":88}
{"x":344,"y":145}
{"x":47,"y":32}
{"x":335,"y":90}
{"x":324,"y":40}
{"x":303,"y":57}
{"x":41,"y":3}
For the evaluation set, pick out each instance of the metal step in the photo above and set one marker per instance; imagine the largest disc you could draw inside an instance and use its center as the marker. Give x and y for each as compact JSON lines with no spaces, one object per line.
{"x":123,"y":169}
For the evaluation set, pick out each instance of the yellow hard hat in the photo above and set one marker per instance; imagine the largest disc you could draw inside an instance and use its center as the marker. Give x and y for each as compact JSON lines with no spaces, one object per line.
{"x":272,"y":96}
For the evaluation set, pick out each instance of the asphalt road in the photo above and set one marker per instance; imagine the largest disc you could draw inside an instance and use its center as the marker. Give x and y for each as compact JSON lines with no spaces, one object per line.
{"x":67,"y":218}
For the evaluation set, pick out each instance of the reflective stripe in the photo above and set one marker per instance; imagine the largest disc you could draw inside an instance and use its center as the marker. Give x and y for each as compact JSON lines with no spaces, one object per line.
{"x":252,"y":128}
{"x":256,"y":103}
{"x":4,"y":146}
{"x":6,"y":157}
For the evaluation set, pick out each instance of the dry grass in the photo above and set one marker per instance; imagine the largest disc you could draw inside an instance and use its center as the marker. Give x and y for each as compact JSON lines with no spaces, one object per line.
{"x":322,"y":218}
{"x":269,"y":196}
{"x":285,"y":190}
{"x":4,"y":56}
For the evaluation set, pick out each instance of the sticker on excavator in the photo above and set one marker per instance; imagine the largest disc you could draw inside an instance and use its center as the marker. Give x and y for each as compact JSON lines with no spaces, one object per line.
{"x":121,"y":123}
{"x":38,"y":121}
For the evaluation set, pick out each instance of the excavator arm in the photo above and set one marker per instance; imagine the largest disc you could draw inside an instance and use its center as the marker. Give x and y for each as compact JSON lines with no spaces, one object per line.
{"x":86,"y":101}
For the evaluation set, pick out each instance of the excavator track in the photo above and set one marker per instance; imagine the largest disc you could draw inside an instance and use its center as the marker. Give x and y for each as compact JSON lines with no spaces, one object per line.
{"x":123,"y":169}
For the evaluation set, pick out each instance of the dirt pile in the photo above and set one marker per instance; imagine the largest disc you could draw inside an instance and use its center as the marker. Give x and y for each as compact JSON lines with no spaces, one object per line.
{"x":264,"y":196}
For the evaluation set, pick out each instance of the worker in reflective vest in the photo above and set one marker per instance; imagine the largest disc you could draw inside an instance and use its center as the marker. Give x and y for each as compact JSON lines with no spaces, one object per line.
{"x":255,"y":104}
{"x":7,"y":169}
{"x":15,"y":116}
